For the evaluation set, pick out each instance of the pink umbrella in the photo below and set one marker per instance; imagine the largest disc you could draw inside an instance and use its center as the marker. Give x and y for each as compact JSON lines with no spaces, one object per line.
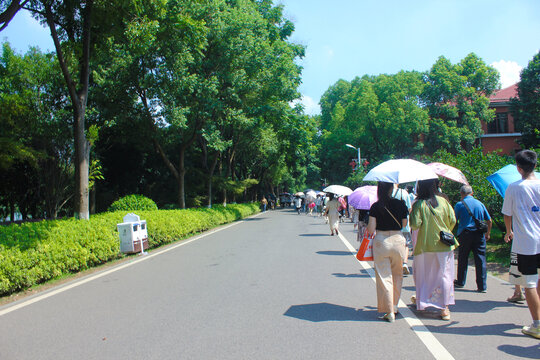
{"x":342,"y":202}
{"x":363,"y":197}
{"x":448,"y":172}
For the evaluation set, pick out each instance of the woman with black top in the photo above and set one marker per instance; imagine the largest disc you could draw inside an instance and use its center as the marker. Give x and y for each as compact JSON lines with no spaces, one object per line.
{"x":386,"y":218}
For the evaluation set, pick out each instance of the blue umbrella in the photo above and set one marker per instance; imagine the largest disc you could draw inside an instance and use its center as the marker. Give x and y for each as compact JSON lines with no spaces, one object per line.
{"x":504,"y":177}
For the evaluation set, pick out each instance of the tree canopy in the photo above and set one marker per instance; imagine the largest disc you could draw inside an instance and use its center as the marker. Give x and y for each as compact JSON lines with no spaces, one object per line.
{"x":526,"y":107}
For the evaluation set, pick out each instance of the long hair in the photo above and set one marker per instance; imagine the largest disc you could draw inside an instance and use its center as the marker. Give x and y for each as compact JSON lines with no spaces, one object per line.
{"x":426,"y":190}
{"x":383,"y":191}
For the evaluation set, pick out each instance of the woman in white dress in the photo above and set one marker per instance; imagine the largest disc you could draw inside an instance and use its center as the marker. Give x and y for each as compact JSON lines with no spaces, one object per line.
{"x":332,"y":213}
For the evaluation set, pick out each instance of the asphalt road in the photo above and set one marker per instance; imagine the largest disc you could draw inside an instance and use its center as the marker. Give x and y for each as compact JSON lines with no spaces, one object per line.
{"x":274,"y":286}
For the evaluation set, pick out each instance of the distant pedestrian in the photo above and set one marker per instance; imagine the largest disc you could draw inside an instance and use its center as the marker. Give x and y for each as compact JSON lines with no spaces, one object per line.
{"x":521,"y":209}
{"x":387,"y":217}
{"x":297,"y":203}
{"x":311,"y":206}
{"x":471,"y":238}
{"x":319,"y":204}
{"x":332,"y":211}
{"x":433,"y":267}
{"x":264,"y":203}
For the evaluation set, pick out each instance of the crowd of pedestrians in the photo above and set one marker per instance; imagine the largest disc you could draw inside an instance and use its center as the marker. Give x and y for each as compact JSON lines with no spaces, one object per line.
{"x":423,"y":221}
{"x":432,"y":220}
{"x":402,"y":220}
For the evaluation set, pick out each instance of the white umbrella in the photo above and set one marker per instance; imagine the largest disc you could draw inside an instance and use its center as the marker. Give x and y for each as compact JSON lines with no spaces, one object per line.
{"x":311,"y":195}
{"x":400,"y":171}
{"x":338,"y":190}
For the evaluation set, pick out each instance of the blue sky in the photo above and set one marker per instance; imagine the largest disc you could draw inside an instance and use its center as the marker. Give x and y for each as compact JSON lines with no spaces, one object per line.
{"x":349,"y":38}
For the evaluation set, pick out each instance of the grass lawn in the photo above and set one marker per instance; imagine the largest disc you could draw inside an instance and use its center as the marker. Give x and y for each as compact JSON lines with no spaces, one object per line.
{"x":497,"y":250}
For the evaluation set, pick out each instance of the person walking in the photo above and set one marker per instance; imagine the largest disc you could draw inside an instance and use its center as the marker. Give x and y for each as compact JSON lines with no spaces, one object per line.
{"x":521,"y":210}
{"x":297,"y":204}
{"x":433,"y":266}
{"x":319,"y":204}
{"x":387,"y":217}
{"x":403,"y":195}
{"x":333,"y":214}
{"x":471,"y":238}
{"x":264,"y":203}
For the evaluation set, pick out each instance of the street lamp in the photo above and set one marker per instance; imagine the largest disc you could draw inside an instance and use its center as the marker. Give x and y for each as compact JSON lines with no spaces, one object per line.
{"x":359,"y":159}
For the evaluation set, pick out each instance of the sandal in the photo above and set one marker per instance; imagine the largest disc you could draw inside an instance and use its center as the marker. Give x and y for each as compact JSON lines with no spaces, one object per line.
{"x":390,"y":317}
{"x":445,"y":315}
{"x":516,"y":298}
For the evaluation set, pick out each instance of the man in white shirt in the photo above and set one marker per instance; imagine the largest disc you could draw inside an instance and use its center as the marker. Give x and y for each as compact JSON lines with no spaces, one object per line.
{"x":521,"y":209}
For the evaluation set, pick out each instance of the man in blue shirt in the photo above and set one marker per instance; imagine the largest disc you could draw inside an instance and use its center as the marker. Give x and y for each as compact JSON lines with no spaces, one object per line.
{"x":471,"y":239}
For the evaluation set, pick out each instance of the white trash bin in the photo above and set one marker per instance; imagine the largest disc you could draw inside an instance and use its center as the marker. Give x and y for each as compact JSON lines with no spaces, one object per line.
{"x":132,"y":233}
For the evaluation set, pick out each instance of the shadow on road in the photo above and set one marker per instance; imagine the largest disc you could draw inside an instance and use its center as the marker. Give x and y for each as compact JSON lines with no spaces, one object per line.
{"x":480,"y":306}
{"x":329,"y":312}
{"x":478,"y":330}
{"x":313,"y":235}
{"x":530,"y":352}
{"x":332,"y":252}
{"x":363,"y":274}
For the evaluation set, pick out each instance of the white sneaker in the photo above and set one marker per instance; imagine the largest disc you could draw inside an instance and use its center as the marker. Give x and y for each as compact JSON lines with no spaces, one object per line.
{"x":406,"y":270}
{"x":531,"y":331}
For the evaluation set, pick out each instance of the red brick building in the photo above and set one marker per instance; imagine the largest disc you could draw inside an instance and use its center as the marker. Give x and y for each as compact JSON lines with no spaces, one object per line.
{"x":501,"y":133}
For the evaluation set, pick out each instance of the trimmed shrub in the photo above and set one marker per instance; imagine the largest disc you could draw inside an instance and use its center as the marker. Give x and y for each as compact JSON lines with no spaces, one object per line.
{"x":133,"y":203}
{"x":32,"y":253}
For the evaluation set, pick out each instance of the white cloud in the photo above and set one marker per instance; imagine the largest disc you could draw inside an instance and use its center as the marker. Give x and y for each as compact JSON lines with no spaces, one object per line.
{"x":509,"y":71}
{"x":310,"y":106}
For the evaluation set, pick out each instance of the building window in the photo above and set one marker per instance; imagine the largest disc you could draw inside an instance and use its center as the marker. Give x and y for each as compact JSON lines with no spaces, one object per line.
{"x":499,"y":125}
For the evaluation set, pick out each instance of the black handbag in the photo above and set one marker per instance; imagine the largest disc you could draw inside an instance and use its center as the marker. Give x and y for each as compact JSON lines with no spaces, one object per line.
{"x":481,"y":225}
{"x":446,"y":237}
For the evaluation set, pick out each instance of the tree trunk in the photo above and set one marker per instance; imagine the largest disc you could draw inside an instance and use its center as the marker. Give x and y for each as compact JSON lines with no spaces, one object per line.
{"x":11,"y":211}
{"x":78,"y":98}
{"x":210,"y":175}
{"x":93,"y":199}
{"x":224,"y":203}
{"x":82,"y":160}
{"x":181,"y":176}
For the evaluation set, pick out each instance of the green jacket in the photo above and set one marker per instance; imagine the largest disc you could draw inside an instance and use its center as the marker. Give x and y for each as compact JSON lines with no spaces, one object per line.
{"x":423,"y":220}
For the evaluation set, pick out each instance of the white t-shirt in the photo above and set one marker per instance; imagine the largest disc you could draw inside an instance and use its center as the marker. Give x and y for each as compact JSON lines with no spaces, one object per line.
{"x":522,"y":202}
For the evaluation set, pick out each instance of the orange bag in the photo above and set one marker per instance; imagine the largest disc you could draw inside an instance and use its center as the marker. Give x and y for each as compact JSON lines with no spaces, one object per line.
{"x":365,"y":253}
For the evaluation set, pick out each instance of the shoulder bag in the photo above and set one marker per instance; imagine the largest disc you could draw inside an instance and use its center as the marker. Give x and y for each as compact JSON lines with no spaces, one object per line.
{"x":446,"y":237}
{"x":481,"y":225}
{"x":393,"y":217}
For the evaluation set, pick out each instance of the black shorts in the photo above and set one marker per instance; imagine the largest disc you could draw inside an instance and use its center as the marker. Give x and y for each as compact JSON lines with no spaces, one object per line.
{"x":528,"y":264}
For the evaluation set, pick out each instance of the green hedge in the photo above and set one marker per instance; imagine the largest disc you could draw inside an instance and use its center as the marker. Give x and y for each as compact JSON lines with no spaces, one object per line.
{"x":133,"y":203}
{"x":32,"y":253}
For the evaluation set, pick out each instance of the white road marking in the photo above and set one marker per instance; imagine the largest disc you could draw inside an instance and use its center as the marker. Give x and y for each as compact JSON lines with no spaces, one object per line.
{"x":57,"y":291}
{"x":438,"y":351}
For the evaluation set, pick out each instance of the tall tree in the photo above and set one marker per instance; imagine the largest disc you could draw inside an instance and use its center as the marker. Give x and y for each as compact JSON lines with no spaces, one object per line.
{"x":70,"y":23}
{"x":526,"y":107}
{"x":36,"y":164}
{"x":456,"y":97}
{"x":379,"y":114}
